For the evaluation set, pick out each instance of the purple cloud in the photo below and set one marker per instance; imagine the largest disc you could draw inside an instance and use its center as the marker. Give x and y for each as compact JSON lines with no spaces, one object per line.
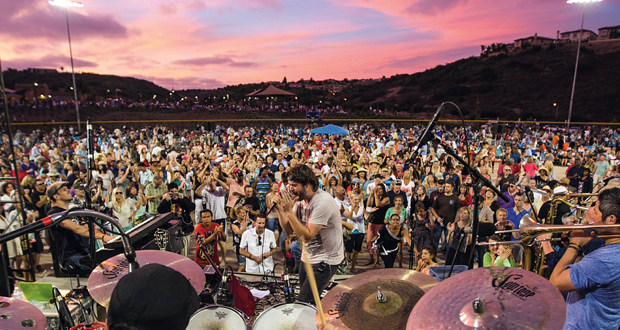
{"x":214,"y":60}
{"x":185,"y":82}
{"x":25,"y":20}
{"x":49,"y":61}
{"x":433,"y":7}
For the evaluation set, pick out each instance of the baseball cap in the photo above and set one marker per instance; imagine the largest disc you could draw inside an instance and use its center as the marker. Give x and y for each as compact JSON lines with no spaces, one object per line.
{"x":54,"y":187}
{"x":356,"y":180}
{"x":398,"y":181}
{"x":154,"y":297}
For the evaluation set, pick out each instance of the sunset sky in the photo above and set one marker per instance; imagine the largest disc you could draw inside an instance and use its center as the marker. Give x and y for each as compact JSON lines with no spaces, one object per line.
{"x":213,"y":43}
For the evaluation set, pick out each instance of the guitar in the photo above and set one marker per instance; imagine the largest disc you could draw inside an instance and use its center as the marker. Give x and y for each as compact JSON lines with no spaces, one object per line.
{"x":244,"y":300}
{"x":162,"y":237}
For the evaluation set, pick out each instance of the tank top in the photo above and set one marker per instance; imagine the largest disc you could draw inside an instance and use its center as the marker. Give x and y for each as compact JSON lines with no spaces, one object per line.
{"x":262,"y":186}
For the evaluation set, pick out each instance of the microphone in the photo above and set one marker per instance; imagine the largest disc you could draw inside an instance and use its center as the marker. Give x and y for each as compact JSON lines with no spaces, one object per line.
{"x":426,"y":136}
{"x":38,"y":225}
{"x":222,"y":296}
{"x":615,"y":176}
{"x":289,"y":293}
{"x":63,"y":311}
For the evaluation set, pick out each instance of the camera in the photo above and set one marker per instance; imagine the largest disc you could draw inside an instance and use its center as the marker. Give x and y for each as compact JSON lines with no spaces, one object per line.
{"x":175,"y":195}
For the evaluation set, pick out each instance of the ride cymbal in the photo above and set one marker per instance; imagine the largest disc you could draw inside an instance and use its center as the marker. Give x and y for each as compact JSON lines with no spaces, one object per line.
{"x":17,"y":314}
{"x":104,"y":278}
{"x":354,"y":303}
{"x":491,"y":298}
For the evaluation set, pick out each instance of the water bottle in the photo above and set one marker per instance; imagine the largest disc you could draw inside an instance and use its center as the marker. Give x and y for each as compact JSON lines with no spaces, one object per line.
{"x":17,"y":293}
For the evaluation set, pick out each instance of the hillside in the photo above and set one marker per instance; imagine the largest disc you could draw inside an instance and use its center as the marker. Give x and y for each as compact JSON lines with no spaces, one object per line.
{"x":91,"y":85}
{"x":523,"y":85}
{"x":510,"y":86}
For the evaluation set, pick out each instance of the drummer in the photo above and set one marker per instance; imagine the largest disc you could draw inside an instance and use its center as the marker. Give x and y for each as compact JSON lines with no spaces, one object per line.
{"x":153,"y":297}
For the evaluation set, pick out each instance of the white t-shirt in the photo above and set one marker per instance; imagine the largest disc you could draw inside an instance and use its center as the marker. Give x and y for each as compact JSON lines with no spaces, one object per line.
{"x":327,"y":245}
{"x":250,"y":242}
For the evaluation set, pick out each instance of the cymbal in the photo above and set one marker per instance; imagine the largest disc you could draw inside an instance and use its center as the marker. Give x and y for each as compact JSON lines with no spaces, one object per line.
{"x":353,"y":304}
{"x":103,"y":279}
{"x":18,"y":314}
{"x":491,"y":298}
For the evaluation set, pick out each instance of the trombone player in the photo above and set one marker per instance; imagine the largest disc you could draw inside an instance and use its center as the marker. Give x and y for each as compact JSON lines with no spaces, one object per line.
{"x":593,"y":284}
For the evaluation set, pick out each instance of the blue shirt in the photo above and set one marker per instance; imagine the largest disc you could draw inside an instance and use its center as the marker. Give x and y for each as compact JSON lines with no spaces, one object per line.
{"x":596,"y":303}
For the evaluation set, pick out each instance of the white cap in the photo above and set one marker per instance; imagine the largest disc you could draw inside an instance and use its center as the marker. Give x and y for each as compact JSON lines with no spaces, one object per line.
{"x":560,"y":190}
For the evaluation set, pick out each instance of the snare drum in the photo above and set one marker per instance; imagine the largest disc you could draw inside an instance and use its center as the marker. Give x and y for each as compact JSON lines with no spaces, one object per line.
{"x":299,"y":316}
{"x":216,"y":317}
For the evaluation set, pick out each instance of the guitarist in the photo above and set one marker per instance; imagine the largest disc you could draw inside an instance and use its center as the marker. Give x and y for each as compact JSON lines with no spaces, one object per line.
{"x":208,"y":233}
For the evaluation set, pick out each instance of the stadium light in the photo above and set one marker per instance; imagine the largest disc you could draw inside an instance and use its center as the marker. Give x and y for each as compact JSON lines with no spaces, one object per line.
{"x":572,"y":93}
{"x":70,"y":4}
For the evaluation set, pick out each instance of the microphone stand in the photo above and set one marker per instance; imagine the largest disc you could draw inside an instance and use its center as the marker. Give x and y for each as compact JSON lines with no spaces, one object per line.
{"x":462,"y":235}
{"x":479,"y":182}
{"x":89,"y":177}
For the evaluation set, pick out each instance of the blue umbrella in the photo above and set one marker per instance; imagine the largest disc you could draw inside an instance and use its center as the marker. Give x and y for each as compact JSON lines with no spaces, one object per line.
{"x":330,"y":130}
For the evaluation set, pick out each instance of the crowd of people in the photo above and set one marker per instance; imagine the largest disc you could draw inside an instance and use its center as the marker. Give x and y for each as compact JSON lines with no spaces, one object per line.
{"x":264,"y":186}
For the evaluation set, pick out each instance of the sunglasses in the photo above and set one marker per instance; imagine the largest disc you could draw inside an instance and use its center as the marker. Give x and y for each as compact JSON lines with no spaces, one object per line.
{"x":118,"y":193}
{"x":259,"y":242}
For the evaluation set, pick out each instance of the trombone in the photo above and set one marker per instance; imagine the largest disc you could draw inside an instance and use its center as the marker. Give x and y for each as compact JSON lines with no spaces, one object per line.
{"x":529,"y":229}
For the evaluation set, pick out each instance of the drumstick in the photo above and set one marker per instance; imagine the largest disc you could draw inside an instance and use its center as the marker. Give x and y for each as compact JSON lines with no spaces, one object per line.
{"x":313,"y":286}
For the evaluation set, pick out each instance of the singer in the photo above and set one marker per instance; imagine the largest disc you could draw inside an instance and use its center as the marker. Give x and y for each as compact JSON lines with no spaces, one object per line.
{"x":258,"y":245}
{"x":315,"y":217}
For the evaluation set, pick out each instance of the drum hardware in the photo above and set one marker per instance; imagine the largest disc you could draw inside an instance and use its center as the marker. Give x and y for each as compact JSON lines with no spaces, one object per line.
{"x":18,"y":314}
{"x":378,"y":299}
{"x":490,"y":298}
{"x":104,"y":278}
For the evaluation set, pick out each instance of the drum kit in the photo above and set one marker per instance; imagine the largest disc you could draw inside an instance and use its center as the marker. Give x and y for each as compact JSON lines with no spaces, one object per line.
{"x":482,"y":298}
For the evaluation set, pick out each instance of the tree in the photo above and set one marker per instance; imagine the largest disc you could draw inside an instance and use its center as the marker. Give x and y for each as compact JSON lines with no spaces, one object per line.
{"x":284,"y":81}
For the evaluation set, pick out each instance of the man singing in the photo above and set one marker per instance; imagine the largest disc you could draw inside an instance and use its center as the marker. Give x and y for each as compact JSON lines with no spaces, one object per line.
{"x":315,"y":218}
{"x":258,"y":247}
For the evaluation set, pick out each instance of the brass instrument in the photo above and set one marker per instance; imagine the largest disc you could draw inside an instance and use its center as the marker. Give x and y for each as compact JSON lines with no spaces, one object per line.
{"x":530,"y":229}
{"x":534,"y":258}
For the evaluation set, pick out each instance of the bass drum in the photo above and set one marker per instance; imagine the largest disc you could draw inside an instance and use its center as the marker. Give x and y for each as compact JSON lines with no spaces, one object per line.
{"x":216,"y":317}
{"x":298,"y":316}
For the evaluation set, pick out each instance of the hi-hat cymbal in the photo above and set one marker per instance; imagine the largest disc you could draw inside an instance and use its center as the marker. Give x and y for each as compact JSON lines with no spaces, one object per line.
{"x":491,"y":298}
{"x":103,"y":279}
{"x":17,"y":314}
{"x":353,"y":304}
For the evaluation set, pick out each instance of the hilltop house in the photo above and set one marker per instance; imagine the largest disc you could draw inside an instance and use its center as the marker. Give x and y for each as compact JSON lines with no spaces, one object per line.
{"x":534,"y":40}
{"x":610,"y":32}
{"x":573,"y":36}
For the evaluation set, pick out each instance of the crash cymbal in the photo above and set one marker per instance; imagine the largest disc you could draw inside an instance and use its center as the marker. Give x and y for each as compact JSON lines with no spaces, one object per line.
{"x":17,"y":314}
{"x":103,"y":279}
{"x":491,"y":298}
{"x":354,"y":303}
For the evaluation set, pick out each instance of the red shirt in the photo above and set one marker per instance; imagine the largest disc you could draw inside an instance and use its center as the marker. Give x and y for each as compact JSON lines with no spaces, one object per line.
{"x":210,"y":248}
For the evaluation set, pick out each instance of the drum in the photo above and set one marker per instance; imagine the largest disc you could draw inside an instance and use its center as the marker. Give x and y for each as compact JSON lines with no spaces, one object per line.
{"x":216,"y":317}
{"x":298,"y":316}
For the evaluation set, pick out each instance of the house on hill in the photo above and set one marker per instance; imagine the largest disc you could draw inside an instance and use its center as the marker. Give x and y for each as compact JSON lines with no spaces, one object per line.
{"x":573,"y":36}
{"x":534,"y":40}
{"x":609,"y":32}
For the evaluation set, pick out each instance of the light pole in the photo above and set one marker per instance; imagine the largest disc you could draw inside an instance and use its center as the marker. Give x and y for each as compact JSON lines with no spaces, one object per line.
{"x":70,"y":4}
{"x":572,"y":93}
